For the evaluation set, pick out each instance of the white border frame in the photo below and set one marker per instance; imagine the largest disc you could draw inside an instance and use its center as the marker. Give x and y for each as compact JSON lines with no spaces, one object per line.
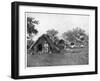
{"x":55,"y":69}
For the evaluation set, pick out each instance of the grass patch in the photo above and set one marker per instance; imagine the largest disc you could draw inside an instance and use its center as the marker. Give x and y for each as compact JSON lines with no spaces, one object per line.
{"x":73,"y":56}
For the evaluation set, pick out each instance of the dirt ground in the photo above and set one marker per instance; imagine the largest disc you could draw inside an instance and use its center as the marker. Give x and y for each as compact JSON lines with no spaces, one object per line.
{"x":76,"y":56}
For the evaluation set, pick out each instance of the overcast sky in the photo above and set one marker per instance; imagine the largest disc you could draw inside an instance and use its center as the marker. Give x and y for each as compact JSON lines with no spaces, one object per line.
{"x":60,"y":22}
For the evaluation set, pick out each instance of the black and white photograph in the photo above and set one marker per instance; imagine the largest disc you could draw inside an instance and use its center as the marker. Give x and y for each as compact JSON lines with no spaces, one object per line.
{"x":50,"y":40}
{"x":55,"y":39}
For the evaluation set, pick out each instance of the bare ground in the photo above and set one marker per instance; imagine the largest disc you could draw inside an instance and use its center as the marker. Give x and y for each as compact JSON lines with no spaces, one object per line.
{"x":76,"y":56}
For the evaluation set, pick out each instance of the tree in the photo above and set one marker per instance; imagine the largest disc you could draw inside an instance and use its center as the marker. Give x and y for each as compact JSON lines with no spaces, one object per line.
{"x":31,"y":22}
{"x":68,"y":36}
{"x":76,"y":36}
{"x":52,"y":32}
{"x":53,"y":35}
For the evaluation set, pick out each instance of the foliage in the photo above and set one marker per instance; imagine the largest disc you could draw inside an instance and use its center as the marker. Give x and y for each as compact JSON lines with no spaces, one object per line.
{"x":31,"y":22}
{"x":31,"y":30}
{"x":68,"y":36}
{"x":52,"y":32}
{"x":53,"y":35}
{"x":77,"y":36}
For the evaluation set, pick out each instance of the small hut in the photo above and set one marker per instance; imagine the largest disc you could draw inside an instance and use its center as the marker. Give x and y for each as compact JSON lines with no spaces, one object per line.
{"x":44,"y":45}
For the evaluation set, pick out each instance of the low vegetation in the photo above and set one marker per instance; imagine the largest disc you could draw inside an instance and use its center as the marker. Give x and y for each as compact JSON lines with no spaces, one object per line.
{"x":66,"y":57}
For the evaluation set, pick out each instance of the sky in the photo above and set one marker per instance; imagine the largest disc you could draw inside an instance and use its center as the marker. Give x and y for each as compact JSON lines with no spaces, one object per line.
{"x":60,"y":22}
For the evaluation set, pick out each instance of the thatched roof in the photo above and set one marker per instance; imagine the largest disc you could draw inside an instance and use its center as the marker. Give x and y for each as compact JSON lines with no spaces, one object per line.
{"x":49,"y":41}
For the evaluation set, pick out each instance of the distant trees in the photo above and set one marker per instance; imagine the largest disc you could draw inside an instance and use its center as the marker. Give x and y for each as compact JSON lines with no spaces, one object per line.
{"x":52,"y":32}
{"x":76,"y":37}
{"x":53,"y":35}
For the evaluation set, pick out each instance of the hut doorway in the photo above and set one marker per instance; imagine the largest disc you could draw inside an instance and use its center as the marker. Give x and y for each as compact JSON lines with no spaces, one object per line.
{"x":39,"y":48}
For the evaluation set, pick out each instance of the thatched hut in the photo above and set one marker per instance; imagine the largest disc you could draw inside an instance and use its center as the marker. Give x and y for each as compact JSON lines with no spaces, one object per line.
{"x":44,"y":45}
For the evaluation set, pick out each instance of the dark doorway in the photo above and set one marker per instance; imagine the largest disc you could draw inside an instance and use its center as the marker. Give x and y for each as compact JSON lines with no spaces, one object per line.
{"x":39,"y":47}
{"x":72,"y":43}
